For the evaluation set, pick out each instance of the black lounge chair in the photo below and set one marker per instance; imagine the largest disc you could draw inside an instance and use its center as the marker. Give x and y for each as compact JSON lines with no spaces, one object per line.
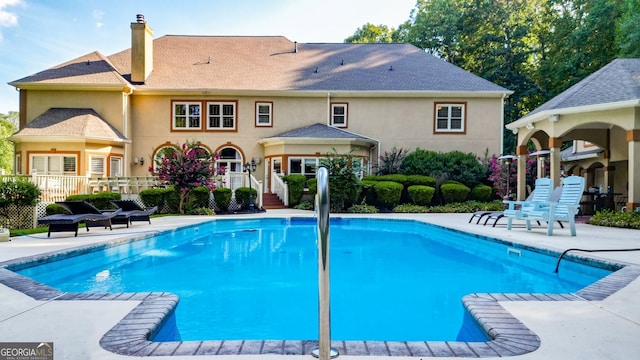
{"x":79,"y":212}
{"x":132,"y":211}
{"x":479,"y":214}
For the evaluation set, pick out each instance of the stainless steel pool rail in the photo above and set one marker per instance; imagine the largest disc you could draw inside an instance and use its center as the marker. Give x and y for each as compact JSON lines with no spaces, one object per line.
{"x":324,"y":350}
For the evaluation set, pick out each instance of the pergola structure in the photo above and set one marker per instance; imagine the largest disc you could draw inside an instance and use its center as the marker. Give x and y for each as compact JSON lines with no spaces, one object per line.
{"x":601,"y":116}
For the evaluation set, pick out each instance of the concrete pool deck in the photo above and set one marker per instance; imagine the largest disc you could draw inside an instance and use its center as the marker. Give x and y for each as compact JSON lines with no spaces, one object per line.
{"x":606,"y":329}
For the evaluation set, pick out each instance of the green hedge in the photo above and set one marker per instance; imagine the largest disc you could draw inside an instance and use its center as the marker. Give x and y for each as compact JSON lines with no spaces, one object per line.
{"x":367,"y":193}
{"x":454,"y":192}
{"x":101,"y":200}
{"x":312,"y":186}
{"x":166,"y":199}
{"x":481,"y":192}
{"x":296,"y":185}
{"x":421,"y":180}
{"x":198,"y":198}
{"x":222,"y":197}
{"x":421,"y":194}
{"x":242,"y":197}
{"x":388,"y":193}
{"x":399,"y":178}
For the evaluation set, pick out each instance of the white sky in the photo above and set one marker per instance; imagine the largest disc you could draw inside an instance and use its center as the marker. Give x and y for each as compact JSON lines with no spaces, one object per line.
{"x":38,"y":34}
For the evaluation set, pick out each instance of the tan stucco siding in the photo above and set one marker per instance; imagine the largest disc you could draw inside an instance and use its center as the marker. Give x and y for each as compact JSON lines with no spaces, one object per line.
{"x":409,"y":124}
{"x":108,"y":104}
{"x":400,"y":122}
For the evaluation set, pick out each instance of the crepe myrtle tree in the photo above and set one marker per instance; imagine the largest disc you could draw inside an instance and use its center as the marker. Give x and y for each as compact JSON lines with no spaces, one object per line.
{"x":185,"y":167}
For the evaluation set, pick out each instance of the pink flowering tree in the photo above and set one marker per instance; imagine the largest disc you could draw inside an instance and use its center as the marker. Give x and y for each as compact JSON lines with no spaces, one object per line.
{"x":499,"y":174}
{"x":185,"y":167}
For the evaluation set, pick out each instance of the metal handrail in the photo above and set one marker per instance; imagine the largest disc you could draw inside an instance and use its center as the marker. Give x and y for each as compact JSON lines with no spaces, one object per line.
{"x":324,"y":350}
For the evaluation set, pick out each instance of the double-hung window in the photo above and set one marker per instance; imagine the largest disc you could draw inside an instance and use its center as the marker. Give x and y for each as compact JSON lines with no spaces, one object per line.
{"x":187,"y":116}
{"x":221,"y":115}
{"x":450,"y":118}
{"x":303,"y":166}
{"x":339,"y":115}
{"x":264,"y":114}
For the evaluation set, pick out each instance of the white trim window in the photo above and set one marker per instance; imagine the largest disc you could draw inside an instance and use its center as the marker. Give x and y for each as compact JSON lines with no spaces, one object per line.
{"x":18,"y":164}
{"x":264,"y":114}
{"x":303,"y":166}
{"x":97,"y":165}
{"x":115,"y":165}
{"x":186,"y":116}
{"x":54,"y":164}
{"x":339,"y":115}
{"x":221,"y":115}
{"x":450,"y":118}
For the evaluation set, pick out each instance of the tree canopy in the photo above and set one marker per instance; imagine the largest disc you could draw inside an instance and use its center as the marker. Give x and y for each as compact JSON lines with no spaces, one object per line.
{"x":536,"y":48}
{"x":8,"y":125}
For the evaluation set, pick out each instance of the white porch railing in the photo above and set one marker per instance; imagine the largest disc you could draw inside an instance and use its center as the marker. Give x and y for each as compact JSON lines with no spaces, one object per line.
{"x":280,"y":188}
{"x":58,"y":187}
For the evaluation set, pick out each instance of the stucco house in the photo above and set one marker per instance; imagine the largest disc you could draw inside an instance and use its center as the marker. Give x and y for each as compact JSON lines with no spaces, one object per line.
{"x":600,"y":117}
{"x":279,"y":102}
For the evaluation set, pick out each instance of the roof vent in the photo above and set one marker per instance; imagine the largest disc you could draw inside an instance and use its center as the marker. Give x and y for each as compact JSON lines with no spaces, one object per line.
{"x":295,"y":47}
{"x":140,"y":19}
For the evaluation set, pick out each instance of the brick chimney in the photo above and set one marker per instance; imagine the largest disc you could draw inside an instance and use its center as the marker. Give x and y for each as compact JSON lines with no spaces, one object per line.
{"x":141,"y":50}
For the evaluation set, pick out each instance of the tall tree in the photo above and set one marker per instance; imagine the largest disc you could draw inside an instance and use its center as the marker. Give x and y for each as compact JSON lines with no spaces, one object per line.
{"x":628,"y":29}
{"x":579,"y":40}
{"x":370,"y":33}
{"x":8,"y":125}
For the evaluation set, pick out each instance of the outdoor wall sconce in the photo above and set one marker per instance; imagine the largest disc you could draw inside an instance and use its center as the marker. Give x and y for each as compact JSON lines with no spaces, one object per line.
{"x":553,"y":118}
{"x":138,"y":160}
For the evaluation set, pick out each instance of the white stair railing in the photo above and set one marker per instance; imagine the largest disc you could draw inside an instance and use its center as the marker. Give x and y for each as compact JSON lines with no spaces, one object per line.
{"x":280,"y":188}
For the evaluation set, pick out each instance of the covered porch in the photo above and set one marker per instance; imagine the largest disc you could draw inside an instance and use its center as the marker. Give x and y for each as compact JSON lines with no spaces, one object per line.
{"x":599,"y":120}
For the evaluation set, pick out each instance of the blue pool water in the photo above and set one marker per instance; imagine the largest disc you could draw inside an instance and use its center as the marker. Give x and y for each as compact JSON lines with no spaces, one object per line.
{"x":391,"y":280}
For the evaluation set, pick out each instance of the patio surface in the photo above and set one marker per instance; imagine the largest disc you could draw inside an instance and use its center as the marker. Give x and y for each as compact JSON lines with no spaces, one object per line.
{"x":606,"y":329}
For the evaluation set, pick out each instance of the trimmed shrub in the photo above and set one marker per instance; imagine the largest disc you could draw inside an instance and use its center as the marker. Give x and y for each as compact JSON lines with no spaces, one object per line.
{"x":367,"y":194}
{"x":362,"y":209}
{"x":481,"y":192}
{"x":100,"y":200}
{"x":222,"y":197}
{"x":421,"y":194}
{"x":399,"y":178}
{"x":296,"y":188}
{"x":198,"y":197}
{"x":453,"y":192}
{"x":54,"y":208}
{"x":166,"y":199}
{"x":410,"y":208}
{"x":201,"y":211}
{"x":312,"y":186}
{"x":388,"y":193}
{"x":421,"y":180}
{"x":304,"y":205}
{"x":242,"y":197}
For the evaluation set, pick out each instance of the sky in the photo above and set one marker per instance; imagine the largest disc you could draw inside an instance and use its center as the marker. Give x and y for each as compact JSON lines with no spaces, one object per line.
{"x":38,"y":34}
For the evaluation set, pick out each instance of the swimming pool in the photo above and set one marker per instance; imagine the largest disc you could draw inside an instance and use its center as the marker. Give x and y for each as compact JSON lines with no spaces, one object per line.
{"x":386,"y":275}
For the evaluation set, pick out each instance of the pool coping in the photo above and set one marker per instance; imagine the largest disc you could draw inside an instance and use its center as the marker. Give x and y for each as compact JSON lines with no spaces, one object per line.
{"x":130,"y":336}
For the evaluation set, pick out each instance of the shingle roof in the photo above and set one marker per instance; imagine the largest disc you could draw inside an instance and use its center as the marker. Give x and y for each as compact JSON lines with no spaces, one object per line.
{"x":270,"y":63}
{"x":615,"y":82}
{"x":320,"y":131}
{"x":93,"y":68}
{"x":71,"y":123}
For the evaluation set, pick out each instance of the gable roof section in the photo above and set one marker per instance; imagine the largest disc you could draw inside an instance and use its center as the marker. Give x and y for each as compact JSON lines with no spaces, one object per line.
{"x":617,"y":84}
{"x":92,"y":69}
{"x":271,"y":63}
{"x":71,"y":125}
{"x":319,"y":133}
